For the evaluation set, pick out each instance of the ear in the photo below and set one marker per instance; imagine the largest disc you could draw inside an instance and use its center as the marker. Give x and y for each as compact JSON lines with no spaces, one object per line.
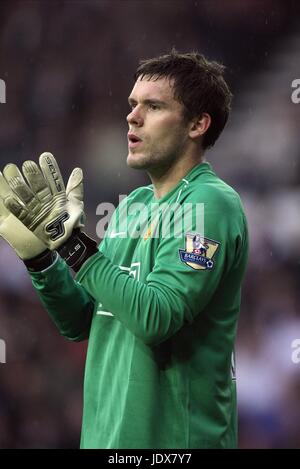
{"x":200,"y":125}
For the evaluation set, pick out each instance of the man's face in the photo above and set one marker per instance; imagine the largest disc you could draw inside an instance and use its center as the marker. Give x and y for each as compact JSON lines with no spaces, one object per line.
{"x":158,"y":134}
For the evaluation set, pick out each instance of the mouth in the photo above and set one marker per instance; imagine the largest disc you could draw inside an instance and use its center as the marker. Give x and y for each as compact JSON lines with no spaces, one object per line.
{"x":133,"y":140}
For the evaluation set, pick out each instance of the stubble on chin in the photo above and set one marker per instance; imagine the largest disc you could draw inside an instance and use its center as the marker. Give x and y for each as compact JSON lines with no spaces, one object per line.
{"x":136,"y":161}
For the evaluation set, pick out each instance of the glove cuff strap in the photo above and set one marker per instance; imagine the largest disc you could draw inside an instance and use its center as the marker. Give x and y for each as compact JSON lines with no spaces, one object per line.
{"x":40,"y":262}
{"x":77,"y":249}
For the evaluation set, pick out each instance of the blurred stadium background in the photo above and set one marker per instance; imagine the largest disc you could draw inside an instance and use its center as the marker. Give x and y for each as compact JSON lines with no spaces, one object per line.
{"x":68,"y":69}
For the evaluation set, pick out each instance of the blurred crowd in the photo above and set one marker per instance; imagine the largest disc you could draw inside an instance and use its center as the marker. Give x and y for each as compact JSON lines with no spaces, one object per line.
{"x":68,"y":68}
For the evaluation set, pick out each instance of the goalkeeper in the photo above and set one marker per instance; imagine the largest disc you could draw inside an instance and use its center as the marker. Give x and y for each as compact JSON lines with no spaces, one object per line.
{"x":160,"y":312}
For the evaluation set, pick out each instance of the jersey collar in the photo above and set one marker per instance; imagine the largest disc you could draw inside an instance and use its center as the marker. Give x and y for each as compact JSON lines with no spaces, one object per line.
{"x":184,"y":182}
{"x":204,"y":167}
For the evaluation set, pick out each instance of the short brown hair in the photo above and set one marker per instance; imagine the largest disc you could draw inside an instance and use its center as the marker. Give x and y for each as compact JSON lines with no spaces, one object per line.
{"x":198,"y":84}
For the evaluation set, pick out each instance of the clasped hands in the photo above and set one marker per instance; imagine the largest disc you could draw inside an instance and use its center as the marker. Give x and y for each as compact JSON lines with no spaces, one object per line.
{"x":37,"y":212}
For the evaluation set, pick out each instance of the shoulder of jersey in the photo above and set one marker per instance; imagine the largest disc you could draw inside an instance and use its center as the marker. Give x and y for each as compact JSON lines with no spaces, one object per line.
{"x":212,"y":189}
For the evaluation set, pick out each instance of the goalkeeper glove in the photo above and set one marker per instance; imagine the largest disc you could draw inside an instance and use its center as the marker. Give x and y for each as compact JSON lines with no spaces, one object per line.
{"x":22,"y":240}
{"x":41,"y":203}
{"x":53,"y":214}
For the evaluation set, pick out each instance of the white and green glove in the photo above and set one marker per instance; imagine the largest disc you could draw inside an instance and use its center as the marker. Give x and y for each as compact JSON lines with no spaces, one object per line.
{"x":38,"y":198}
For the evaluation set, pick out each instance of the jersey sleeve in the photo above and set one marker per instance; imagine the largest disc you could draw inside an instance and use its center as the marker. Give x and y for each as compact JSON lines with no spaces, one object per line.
{"x":179,"y":286}
{"x":67,"y":303}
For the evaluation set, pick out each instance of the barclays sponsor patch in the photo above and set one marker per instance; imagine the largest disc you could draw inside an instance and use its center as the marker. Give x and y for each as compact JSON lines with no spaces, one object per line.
{"x":199,"y":252}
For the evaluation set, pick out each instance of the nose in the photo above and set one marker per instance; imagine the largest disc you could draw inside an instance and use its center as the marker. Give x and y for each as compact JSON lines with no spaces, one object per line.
{"x":135,"y":117}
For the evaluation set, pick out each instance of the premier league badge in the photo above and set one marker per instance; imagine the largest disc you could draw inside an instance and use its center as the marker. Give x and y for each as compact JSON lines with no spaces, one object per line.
{"x":199,"y":251}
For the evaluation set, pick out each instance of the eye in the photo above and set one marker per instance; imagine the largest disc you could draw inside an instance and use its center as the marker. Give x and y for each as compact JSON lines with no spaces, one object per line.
{"x":132,"y":105}
{"x":153,"y":106}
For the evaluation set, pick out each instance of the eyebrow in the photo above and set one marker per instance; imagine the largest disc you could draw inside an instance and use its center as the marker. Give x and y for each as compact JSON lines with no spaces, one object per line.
{"x":147,"y":101}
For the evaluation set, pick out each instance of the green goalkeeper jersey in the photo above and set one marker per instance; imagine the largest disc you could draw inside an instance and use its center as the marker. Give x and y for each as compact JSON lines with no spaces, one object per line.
{"x":159,"y":305}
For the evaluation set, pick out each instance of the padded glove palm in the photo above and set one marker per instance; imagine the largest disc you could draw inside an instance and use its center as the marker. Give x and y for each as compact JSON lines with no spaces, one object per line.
{"x":22,"y":240}
{"x":38,"y":198}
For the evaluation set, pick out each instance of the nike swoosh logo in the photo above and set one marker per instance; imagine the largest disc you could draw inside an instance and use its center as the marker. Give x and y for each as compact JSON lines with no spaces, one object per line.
{"x":104,"y":313}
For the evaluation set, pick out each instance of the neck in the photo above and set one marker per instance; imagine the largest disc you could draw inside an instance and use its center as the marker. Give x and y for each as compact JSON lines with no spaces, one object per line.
{"x":168,"y":178}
